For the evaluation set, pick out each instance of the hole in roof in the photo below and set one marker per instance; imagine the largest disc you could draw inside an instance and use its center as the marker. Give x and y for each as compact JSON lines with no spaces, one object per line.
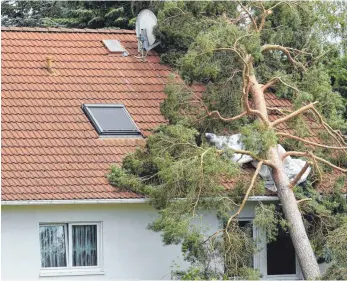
{"x":115,"y":46}
{"x":111,"y":120}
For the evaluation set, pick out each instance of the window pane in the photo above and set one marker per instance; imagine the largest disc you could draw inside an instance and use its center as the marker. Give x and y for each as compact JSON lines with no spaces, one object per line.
{"x":281,"y":255}
{"x":84,"y":245}
{"x":53,"y":248}
{"x":112,"y":118}
{"x":114,"y":46}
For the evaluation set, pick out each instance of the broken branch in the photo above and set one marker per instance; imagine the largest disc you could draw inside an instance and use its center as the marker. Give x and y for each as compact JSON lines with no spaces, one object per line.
{"x":299,"y":175}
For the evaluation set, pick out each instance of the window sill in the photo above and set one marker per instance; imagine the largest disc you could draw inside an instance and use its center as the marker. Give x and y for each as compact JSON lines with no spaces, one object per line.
{"x":282,"y":277}
{"x":70,"y":272}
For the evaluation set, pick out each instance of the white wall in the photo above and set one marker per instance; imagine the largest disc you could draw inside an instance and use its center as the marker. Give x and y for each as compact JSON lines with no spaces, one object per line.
{"x":130,"y":251}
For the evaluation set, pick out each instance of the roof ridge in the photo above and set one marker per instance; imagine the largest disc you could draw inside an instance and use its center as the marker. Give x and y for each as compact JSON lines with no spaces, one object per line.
{"x":65,"y":30}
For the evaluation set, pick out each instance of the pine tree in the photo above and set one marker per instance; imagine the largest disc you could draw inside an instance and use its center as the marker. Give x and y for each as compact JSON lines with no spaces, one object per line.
{"x":74,"y":14}
{"x":241,"y":51}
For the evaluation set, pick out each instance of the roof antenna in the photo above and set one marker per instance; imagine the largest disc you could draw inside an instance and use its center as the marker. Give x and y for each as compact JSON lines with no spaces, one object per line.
{"x":145,"y":23}
{"x":49,"y":61}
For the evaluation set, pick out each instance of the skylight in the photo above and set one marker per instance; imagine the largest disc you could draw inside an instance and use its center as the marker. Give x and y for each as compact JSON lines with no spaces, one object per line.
{"x":114,"y":46}
{"x":111,"y":119}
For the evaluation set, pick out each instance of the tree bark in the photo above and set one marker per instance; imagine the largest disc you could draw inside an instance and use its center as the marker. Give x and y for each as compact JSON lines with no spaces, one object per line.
{"x":302,"y":245}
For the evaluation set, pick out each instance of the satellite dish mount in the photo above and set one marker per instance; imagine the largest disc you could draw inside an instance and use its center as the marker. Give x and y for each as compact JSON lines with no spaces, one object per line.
{"x":145,"y":23}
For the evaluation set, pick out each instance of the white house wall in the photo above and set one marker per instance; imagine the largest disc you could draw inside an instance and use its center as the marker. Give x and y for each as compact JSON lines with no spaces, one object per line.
{"x":130,"y":251}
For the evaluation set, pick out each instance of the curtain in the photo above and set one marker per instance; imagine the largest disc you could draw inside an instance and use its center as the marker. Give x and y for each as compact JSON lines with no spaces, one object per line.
{"x":53,"y":249}
{"x":84,"y":245}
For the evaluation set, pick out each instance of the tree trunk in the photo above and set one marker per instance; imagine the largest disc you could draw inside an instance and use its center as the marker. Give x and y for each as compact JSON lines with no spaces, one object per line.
{"x":302,"y":245}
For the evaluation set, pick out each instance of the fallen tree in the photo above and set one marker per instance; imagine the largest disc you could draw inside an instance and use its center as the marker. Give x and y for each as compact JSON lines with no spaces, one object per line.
{"x":235,"y":51}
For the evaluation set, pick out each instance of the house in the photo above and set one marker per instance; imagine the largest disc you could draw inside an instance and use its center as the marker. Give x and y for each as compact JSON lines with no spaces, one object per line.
{"x":61,"y":89}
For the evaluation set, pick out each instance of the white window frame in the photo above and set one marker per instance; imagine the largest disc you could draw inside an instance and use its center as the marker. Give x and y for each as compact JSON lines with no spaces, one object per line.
{"x":260,"y":259}
{"x":75,"y":270}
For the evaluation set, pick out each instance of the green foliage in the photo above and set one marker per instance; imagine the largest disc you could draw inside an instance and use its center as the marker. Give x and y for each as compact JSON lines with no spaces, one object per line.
{"x":183,"y":176}
{"x":336,"y":242}
{"x":335,"y":272}
{"x":338,"y":72}
{"x":181,"y":21}
{"x":76,"y":14}
{"x":316,"y":81}
{"x":322,"y":215}
{"x":239,"y":251}
{"x":268,"y":219}
{"x":258,"y":138}
{"x":211,"y":51}
{"x":177,"y":107}
{"x":174,"y":166}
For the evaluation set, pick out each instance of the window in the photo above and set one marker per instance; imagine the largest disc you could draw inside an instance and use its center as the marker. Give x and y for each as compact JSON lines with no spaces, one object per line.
{"x":70,"y":247}
{"x":115,"y":46}
{"x":276,"y":260}
{"x":281,"y":255}
{"x":111,"y":119}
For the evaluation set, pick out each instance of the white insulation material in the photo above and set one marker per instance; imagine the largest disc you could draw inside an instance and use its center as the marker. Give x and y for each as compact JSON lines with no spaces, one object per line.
{"x":291,"y":166}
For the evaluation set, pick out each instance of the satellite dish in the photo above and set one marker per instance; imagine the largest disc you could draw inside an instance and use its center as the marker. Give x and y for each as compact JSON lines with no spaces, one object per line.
{"x":145,"y":23}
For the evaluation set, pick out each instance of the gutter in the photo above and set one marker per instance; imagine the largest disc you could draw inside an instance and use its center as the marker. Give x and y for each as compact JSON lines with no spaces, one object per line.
{"x":73,"y":202}
{"x":110,"y":201}
{"x":104,"y":201}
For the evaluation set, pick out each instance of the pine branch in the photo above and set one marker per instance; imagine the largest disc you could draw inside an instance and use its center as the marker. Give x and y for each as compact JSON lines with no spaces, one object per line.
{"x":249,"y":153}
{"x":311,"y":155}
{"x":274,"y":80}
{"x":310,"y":142}
{"x":217,"y":113}
{"x":293,"y":114}
{"x":303,"y":200}
{"x":201,"y":183}
{"x":299,"y":175}
{"x":334,"y":133}
{"x":249,"y":15}
{"x":285,"y":50}
{"x":259,"y":165}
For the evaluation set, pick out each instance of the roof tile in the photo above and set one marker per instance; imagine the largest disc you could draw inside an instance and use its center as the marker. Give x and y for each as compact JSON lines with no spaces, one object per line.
{"x":50,"y":149}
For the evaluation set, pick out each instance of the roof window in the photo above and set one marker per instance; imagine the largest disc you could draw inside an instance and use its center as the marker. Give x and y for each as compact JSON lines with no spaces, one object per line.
{"x":111,"y":119}
{"x":115,"y":46}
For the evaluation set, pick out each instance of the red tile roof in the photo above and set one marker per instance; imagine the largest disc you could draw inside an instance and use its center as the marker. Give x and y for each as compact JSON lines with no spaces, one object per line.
{"x":50,"y":150}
